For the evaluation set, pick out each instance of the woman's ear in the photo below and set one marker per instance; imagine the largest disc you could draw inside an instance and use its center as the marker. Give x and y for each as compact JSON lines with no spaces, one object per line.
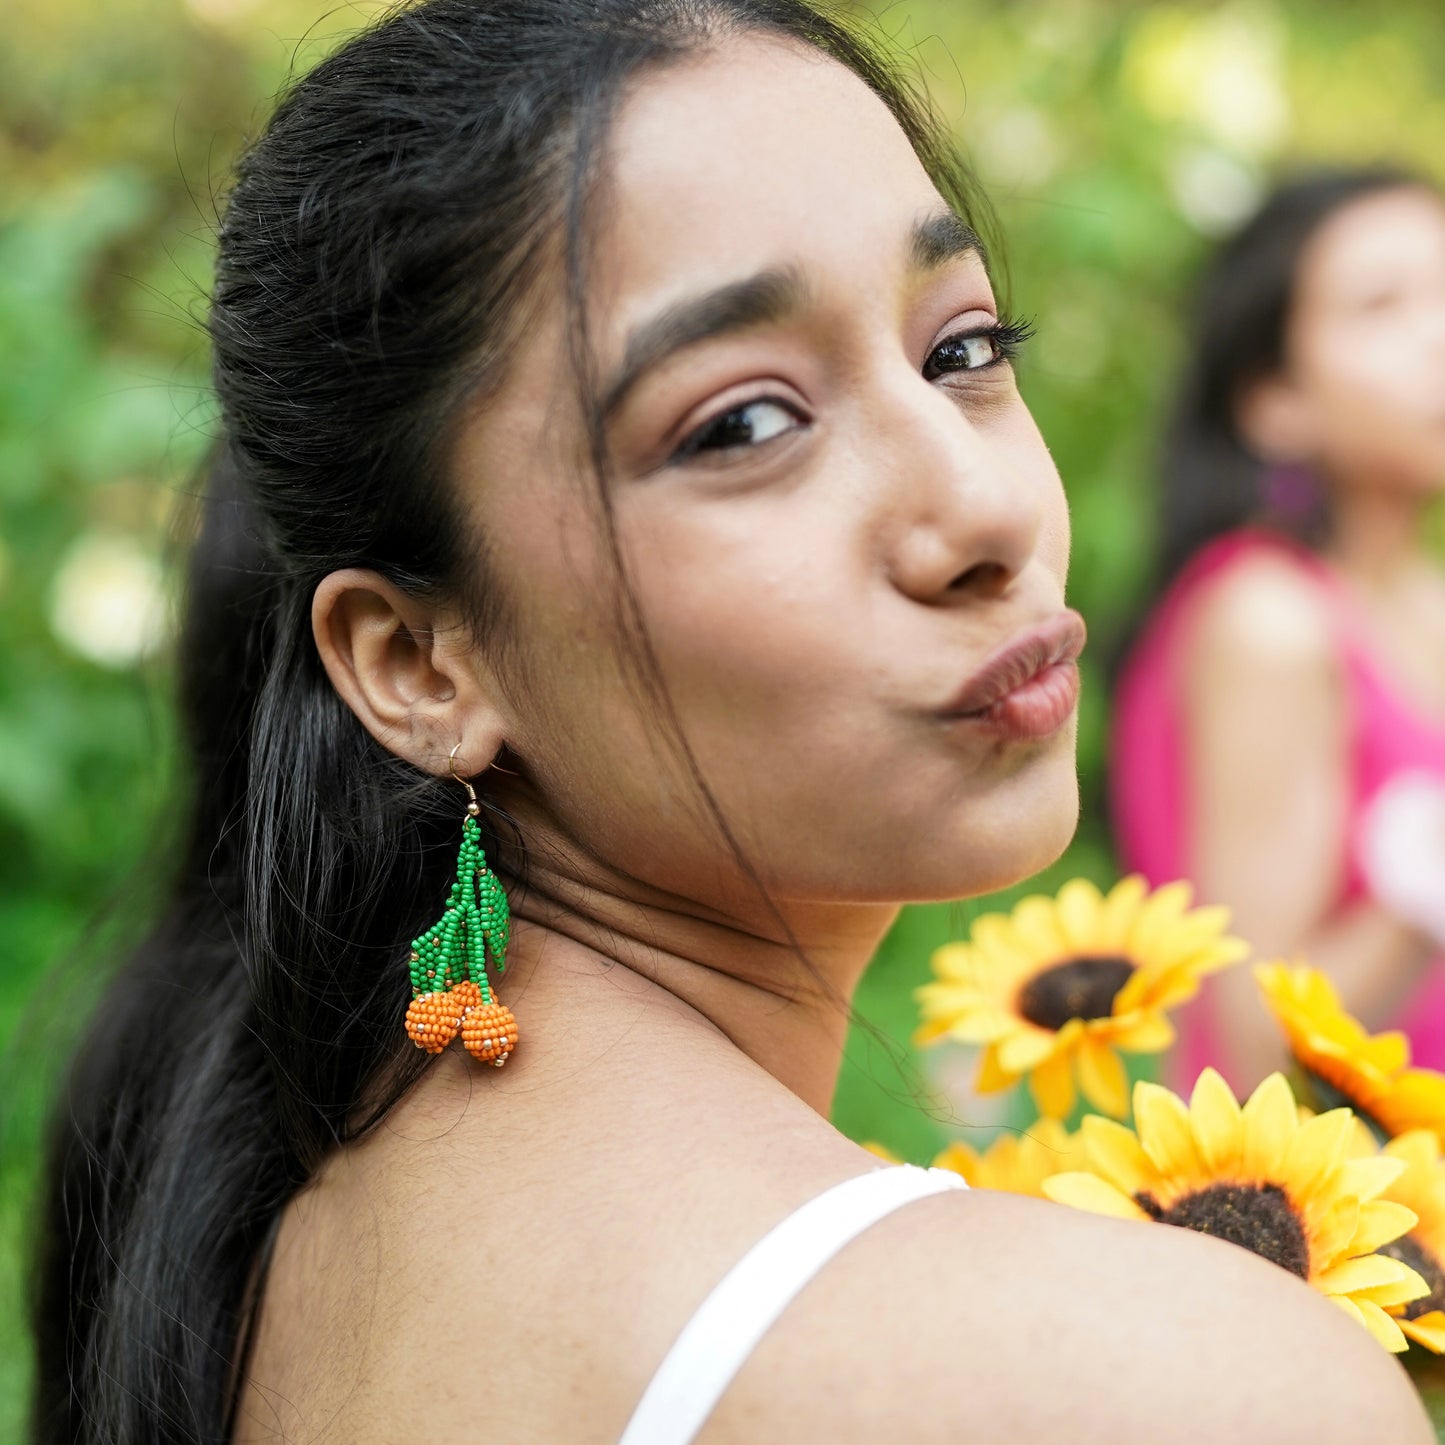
{"x":387,"y":658}
{"x":1274,"y":420}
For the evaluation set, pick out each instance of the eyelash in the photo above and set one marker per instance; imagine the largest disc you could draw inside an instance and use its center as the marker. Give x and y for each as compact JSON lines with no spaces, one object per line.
{"x":1008,"y":335}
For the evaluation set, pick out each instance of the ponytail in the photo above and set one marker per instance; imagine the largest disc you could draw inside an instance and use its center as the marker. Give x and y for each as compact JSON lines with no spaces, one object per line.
{"x":222,"y":1064}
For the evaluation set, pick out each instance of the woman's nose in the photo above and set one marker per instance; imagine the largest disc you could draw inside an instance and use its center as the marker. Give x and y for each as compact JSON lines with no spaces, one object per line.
{"x":963,"y":501}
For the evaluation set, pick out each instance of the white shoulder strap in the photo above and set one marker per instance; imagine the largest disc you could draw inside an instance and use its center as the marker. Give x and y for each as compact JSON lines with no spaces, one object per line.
{"x":744,"y":1304}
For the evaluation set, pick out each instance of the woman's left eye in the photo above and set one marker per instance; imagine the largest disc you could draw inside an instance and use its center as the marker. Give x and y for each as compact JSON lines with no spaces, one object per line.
{"x":977,"y":350}
{"x":748,"y":425}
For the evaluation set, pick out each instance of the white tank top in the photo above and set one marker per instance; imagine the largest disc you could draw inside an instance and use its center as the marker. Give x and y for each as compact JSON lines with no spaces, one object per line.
{"x":726,"y":1327}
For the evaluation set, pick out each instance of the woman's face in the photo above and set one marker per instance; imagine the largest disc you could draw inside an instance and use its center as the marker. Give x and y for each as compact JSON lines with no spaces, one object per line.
{"x":830,"y":522}
{"x":1366,"y":341}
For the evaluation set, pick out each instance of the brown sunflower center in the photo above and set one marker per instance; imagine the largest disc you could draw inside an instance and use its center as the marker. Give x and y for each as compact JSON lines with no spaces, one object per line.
{"x":1082,"y":988}
{"x":1257,"y":1216}
{"x":1408,"y":1250}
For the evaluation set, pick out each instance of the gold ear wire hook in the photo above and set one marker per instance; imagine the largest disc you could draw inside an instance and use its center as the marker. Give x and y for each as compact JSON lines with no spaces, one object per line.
{"x":473,"y":807}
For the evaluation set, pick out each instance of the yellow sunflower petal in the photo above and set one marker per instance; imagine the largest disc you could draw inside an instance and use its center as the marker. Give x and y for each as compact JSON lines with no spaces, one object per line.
{"x":1390,"y":1052}
{"x":1369,"y":1178}
{"x":1207,"y":929}
{"x":983,"y":1024}
{"x":1379,"y":1324}
{"x":961,"y":1159}
{"x":1416,"y":1099}
{"x":994,"y":932}
{"x":1078,"y":906}
{"x":1397,"y":1294}
{"x":1427,"y":1329}
{"x":1332,"y":1230}
{"x":1026,"y":1049}
{"x":1417,"y":1147}
{"x":1145,"y":1033}
{"x":1159,"y":915}
{"x":1380,"y":1222}
{"x":1318,"y":1146}
{"x":953,"y":961}
{"x":1102,"y":1078}
{"x":1171,"y":981}
{"x":1224,"y":954}
{"x":1368,"y":1273}
{"x":992,"y":1077}
{"x":1121,"y":907}
{"x":1374,"y":1319}
{"x":1270,"y":1122}
{"x":1369,"y":1070}
{"x":1088,"y":1191}
{"x":1162,"y":989}
{"x":1035,"y":926}
{"x":1016,"y":1163}
{"x":1052,"y":1085}
{"x":1164,"y":1132}
{"x":1113,"y":1151}
{"x":1000,"y":955}
{"x":1214,"y":1117}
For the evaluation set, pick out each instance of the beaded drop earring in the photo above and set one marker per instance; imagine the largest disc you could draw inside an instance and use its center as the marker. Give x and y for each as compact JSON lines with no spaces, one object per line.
{"x":450,"y":992}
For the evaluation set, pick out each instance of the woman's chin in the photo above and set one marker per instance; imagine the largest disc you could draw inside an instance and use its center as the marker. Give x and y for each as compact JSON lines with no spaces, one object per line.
{"x":980,"y":854}
{"x":1008,"y":845}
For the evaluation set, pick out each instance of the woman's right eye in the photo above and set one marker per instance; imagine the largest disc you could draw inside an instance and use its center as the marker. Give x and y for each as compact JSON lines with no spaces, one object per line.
{"x":748,"y":425}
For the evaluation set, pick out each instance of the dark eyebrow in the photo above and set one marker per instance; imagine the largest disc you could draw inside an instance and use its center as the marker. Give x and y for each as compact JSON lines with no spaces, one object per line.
{"x":768,"y":296}
{"x":941,"y":237}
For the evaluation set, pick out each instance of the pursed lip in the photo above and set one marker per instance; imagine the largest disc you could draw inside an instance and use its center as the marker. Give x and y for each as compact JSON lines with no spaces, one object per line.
{"x":1059,"y":640}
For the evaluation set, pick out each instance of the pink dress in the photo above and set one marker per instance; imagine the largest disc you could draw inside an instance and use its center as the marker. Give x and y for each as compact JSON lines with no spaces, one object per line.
{"x":1148,"y":778}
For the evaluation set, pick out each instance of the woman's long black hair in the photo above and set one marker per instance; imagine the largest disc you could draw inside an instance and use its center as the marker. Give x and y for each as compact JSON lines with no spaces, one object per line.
{"x":1211,"y":481}
{"x":377,"y":256}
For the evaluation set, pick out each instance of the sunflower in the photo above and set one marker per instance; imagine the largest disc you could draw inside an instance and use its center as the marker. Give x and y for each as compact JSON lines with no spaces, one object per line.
{"x":1291,"y":1190}
{"x":1421,"y":1189}
{"x":1059,"y":985}
{"x":1342,"y":1064}
{"x":1016,"y":1163}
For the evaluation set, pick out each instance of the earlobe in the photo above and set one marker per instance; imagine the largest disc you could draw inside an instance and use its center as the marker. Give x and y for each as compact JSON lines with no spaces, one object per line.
{"x":380,"y":649}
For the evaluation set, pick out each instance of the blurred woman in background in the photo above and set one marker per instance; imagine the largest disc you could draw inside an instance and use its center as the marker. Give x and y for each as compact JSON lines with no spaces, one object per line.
{"x":1279,"y":735}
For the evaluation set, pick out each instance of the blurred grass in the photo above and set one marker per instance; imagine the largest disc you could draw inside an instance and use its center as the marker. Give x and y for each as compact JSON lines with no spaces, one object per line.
{"x":1115,"y":140}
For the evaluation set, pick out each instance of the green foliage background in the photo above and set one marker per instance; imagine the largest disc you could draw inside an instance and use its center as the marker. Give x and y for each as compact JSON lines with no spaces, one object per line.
{"x":1115,"y":140}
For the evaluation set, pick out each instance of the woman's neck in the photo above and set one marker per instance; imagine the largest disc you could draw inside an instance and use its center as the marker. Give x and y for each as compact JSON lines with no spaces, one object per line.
{"x":1375,"y":535}
{"x":743,"y":976}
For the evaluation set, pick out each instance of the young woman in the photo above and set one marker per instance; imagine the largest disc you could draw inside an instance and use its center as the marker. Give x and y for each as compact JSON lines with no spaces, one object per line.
{"x":1280,"y":725}
{"x":619,"y":417}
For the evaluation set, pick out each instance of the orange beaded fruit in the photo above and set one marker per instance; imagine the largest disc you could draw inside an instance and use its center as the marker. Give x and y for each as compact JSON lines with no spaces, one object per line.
{"x":432,"y":1020}
{"x":490,"y":1033}
{"x":467,"y":994}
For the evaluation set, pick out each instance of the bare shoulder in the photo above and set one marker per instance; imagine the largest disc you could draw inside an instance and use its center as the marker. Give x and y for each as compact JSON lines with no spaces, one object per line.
{"x":1263,"y":611}
{"x":993,"y":1317}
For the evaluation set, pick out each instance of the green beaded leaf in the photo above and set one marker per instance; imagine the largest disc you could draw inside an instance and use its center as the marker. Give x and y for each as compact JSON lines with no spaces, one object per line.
{"x":476,"y":923}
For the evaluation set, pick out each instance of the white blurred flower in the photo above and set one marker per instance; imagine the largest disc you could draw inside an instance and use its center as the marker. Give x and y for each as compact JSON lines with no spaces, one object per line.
{"x":1019,"y":148}
{"x":107,"y":602}
{"x":1401,"y":848}
{"x":1214,"y":191}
